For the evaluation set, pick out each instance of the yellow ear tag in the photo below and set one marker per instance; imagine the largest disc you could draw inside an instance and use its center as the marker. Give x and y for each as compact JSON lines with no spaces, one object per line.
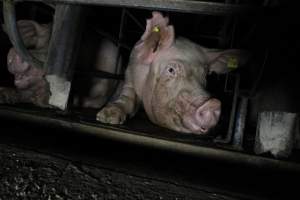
{"x":232,"y":63}
{"x":155,"y":29}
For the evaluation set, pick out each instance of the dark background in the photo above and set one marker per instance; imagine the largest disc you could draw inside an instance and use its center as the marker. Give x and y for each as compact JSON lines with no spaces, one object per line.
{"x":37,"y":161}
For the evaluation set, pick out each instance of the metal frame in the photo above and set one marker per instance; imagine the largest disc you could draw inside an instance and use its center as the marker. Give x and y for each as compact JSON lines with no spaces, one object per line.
{"x":188,"y":6}
{"x":235,"y":131}
{"x":62,"y":52}
{"x":131,"y":137}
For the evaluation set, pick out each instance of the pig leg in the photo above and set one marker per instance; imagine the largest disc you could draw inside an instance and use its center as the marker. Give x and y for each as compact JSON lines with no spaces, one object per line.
{"x":126,"y":104}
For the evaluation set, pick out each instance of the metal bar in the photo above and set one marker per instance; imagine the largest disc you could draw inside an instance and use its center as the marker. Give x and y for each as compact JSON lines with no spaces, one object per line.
{"x":187,"y":6}
{"x":131,"y":137}
{"x":62,"y":51}
{"x":229,"y":134}
{"x":120,"y":38}
{"x":140,"y":25}
{"x":238,"y":137}
{"x":9,"y":14}
{"x":110,"y":37}
{"x":100,"y":74}
{"x":259,"y":75}
{"x":118,"y":63}
{"x":223,"y":33}
{"x":233,"y":109}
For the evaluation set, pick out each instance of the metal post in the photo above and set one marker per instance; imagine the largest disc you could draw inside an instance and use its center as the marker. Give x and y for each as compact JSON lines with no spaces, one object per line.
{"x":238,"y":137}
{"x":228,"y":137}
{"x":9,"y":15}
{"x":62,"y":51}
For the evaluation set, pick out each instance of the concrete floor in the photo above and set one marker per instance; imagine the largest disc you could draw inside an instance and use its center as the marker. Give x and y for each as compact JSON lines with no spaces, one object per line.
{"x":47,"y":163}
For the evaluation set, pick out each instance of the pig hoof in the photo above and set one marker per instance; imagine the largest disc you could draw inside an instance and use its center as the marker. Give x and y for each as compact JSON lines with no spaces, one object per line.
{"x":111,"y":115}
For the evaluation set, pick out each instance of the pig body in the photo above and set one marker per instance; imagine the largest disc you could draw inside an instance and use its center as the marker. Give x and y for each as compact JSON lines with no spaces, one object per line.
{"x":31,"y":86}
{"x":168,"y":77}
{"x":95,"y":92}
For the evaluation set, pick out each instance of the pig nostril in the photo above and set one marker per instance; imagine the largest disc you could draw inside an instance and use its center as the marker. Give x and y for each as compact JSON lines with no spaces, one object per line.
{"x":200,"y":114}
{"x":203,"y":129}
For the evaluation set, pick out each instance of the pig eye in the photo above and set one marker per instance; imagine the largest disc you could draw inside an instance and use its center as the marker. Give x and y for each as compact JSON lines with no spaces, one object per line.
{"x":171,"y":70}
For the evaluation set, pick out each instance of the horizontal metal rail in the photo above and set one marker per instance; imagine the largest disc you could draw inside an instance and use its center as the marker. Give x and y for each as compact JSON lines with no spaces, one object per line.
{"x":188,"y":6}
{"x":133,"y":137}
{"x":99,"y":74}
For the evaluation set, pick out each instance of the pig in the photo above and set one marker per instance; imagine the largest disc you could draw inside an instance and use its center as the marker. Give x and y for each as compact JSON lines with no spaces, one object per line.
{"x":31,"y":86}
{"x":167,"y":75}
{"x":96,"y":91}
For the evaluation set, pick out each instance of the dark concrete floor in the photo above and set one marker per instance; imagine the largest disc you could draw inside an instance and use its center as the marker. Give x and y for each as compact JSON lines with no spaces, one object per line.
{"x":46,"y":163}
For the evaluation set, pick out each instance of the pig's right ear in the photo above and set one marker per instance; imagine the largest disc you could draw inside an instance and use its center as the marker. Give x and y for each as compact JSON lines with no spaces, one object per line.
{"x":157,"y":37}
{"x":223,"y":61}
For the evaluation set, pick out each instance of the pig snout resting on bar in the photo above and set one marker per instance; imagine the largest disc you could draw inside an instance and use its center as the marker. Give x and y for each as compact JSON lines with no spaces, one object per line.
{"x":168,"y":77}
{"x":31,"y":86}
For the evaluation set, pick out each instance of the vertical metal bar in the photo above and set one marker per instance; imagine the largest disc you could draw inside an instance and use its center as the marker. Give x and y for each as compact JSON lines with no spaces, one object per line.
{"x":259,"y":75}
{"x":229,"y":134}
{"x":62,"y":50}
{"x":120,"y":37}
{"x":233,"y":109}
{"x":118,"y":64}
{"x":223,"y":43}
{"x":9,"y":15}
{"x":241,"y":114}
{"x":140,"y":25}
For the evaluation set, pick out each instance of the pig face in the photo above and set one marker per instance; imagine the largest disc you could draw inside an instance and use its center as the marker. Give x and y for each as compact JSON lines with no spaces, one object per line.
{"x":26,"y":76}
{"x":177,"y":98}
{"x":174,"y":94}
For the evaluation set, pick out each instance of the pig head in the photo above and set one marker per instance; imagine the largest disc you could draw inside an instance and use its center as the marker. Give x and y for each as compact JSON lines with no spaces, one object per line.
{"x":167,"y":75}
{"x":31,"y":86}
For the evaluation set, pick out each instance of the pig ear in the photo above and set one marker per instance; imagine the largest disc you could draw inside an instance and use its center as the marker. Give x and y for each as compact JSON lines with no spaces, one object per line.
{"x":158,"y":36}
{"x":223,"y":61}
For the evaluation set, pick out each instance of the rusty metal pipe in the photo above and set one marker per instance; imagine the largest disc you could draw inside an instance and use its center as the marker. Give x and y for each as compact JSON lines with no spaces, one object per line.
{"x":9,"y":15}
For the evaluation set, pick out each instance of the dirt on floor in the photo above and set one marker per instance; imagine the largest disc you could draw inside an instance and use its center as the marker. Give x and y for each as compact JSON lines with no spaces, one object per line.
{"x":38,"y":162}
{"x":27,"y":174}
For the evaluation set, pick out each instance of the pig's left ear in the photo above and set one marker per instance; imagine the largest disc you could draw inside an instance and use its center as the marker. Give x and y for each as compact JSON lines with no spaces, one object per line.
{"x":223,"y":61}
{"x":158,"y":36}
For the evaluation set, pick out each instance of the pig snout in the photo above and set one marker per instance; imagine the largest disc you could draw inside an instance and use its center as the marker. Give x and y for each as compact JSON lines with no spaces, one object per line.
{"x":15,"y":63}
{"x":202,"y":117}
